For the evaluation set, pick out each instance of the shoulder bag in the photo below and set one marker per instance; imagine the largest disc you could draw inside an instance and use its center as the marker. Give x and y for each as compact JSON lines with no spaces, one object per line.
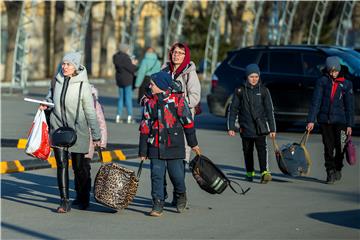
{"x":65,"y":136}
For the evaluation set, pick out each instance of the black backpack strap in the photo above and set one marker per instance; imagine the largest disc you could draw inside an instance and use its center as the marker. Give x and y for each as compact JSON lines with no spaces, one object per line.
{"x":243,"y":192}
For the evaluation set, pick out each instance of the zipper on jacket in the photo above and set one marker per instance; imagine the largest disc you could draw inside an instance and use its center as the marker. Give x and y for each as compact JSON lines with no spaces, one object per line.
{"x":62,"y":100}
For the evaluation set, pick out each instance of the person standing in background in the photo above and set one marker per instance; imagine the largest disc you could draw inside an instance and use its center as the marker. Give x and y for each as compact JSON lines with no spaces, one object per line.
{"x":148,"y":66}
{"x":125,"y":73}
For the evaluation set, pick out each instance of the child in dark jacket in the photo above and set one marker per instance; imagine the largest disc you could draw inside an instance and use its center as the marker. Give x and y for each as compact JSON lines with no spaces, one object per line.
{"x":333,"y":106}
{"x":166,"y":117}
{"x":250,"y":102}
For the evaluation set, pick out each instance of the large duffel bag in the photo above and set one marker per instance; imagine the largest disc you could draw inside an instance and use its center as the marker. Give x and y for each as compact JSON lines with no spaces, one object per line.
{"x":209,"y":177}
{"x":115,"y":186}
{"x":293,"y":159}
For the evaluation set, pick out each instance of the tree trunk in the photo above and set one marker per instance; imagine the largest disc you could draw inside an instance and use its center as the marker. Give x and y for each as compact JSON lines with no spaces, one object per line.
{"x":302,"y":22}
{"x":263,"y":27}
{"x":59,"y":34}
{"x":47,"y":39}
{"x":88,"y":46}
{"x":13,"y":10}
{"x":106,"y":28}
{"x":236,"y":24}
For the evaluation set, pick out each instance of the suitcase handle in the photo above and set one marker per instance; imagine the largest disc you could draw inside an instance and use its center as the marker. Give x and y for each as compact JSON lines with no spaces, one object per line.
{"x":139,"y":169}
{"x":304,"y":138}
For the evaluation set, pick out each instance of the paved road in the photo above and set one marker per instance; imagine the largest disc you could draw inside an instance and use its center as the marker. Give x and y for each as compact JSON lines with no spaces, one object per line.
{"x":286,"y":208}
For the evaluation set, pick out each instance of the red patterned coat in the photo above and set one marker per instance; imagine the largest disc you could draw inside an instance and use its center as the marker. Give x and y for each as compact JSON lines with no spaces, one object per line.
{"x":166,"y":117}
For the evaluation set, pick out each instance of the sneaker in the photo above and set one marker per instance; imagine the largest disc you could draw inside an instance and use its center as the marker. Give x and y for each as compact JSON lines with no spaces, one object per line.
{"x":249,"y":176}
{"x":265,"y":177}
{"x":118,"y":119}
{"x":337,"y":175}
{"x":157,"y":210}
{"x":330,"y":179}
{"x":181,"y":202}
{"x":130,"y":120}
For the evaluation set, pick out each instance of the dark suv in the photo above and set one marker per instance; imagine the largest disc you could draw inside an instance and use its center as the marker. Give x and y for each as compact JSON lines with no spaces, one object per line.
{"x":290,"y":72}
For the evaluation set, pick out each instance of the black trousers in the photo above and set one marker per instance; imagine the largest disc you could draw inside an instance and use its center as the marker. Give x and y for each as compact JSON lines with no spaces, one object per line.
{"x":248,"y":149}
{"x":331,"y":137}
{"x":81,"y":167}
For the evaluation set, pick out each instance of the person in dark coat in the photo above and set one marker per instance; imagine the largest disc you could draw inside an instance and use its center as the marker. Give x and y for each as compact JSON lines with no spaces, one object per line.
{"x":333,"y":107}
{"x":256,"y":96}
{"x":125,"y":72}
{"x":166,"y":118}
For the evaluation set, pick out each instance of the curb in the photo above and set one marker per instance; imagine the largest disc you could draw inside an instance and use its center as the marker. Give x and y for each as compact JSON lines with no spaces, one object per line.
{"x":21,"y":144}
{"x":33,"y":164}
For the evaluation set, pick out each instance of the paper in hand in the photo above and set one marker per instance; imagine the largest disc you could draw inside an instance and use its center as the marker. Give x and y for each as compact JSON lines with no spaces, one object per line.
{"x":49,"y":104}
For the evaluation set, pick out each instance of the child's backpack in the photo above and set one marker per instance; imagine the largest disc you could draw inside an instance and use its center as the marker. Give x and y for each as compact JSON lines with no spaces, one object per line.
{"x":293,"y":159}
{"x":209,"y":177}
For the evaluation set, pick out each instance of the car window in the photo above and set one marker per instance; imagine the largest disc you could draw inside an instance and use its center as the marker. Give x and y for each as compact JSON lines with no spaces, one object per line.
{"x":264,"y":62}
{"x":313,"y":64}
{"x":286,"y":63}
{"x":243,"y":58}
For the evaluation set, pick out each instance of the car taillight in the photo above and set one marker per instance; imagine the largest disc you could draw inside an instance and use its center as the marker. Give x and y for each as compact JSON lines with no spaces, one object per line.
{"x":214,"y":81}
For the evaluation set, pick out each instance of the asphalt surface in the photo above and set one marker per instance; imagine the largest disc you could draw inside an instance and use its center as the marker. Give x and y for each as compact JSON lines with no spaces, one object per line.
{"x":286,"y":208}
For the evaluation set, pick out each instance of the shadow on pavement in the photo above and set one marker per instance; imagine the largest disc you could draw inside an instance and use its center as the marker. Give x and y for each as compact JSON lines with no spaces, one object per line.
{"x":32,"y":190}
{"x":27,"y":232}
{"x":350,"y":218}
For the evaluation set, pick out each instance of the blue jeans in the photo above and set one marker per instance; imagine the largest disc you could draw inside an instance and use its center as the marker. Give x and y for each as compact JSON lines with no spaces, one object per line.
{"x":176,"y":169}
{"x":125,"y":93}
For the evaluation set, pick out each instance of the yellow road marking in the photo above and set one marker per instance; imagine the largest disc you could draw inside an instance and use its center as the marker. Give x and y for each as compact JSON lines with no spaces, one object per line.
{"x":106,"y":156}
{"x":11,"y":167}
{"x":22,"y":143}
{"x":120,"y":154}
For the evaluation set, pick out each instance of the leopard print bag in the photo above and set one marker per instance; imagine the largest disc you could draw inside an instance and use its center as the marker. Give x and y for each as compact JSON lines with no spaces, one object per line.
{"x":115,"y":186}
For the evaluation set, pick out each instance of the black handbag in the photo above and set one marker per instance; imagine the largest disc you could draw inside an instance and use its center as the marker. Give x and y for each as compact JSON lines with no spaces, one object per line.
{"x":262,"y":126}
{"x":66,"y":136}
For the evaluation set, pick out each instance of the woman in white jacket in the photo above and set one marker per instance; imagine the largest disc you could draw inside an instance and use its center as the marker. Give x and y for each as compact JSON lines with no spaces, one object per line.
{"x":71,"y":86}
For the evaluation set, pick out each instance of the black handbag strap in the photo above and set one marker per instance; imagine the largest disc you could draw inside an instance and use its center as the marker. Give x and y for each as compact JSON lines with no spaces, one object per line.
{"x":140,"y":169}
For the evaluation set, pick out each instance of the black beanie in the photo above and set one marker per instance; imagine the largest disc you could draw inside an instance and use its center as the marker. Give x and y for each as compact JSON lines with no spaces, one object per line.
{"x":252,"y":68}
{"x":162,"y":79}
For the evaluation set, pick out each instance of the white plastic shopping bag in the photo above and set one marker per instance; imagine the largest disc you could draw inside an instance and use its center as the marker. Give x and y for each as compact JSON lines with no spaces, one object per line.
{"x":38,"y":144}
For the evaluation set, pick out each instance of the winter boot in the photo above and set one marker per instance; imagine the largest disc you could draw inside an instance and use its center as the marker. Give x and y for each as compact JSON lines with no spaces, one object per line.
{"x":330,"y":179}
{"x":181,"y":202}
{"x":157,"y":209}
{"x":337,"y":175}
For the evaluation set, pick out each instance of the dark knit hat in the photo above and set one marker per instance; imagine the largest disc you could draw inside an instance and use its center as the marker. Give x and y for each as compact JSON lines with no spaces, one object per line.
{"x":252,"y":68}
{"x":333,"y":63}
{"x":162,"y":79}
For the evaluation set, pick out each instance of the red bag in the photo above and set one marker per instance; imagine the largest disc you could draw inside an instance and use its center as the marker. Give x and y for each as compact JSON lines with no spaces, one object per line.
{"x":350,"y":151}
{"x":38,"y":143}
